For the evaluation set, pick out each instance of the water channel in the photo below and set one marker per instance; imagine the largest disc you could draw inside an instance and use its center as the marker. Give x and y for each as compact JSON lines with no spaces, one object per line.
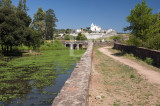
{"x":35,"y":80}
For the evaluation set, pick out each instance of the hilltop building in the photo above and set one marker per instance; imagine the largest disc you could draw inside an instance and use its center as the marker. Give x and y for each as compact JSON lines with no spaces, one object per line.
{"x":95,"y":28}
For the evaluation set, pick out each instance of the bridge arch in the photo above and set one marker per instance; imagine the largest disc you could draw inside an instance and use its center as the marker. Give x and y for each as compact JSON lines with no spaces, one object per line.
{"x":75,"y":46}
{"x":80,"y":46}
{"x":68,"y":45}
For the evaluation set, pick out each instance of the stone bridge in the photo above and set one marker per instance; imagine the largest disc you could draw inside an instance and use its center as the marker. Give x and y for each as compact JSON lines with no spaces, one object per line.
{"x":75,"y":44}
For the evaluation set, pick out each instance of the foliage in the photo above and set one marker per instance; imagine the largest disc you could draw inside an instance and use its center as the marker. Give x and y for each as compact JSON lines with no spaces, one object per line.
{"x":149,"y":60}
{"x":34,"y":38}
{"x":12,"y":28}
{"x":116,"y":37}
{"x":134,"y":41}
{"x":140,"y":20}
{"x":54,"y":45}
{"x":68,"y":31}
{"x":145,"y":26}
{"x":39,"y":21}
{"x":153,"y":42}
{"x":22,"y":6}
{"x":6,"y":3}
{"x":81,"y":37}
{"x":50,"y":20}
{"x":69,"y":37}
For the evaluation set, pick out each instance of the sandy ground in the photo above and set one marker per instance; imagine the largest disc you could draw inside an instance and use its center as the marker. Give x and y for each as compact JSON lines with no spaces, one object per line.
{"x":151,"y":75}
{"x":96,"y":86}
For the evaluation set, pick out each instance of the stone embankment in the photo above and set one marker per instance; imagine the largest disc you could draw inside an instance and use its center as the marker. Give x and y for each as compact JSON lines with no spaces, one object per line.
{"x":75,"y":89}
{"x":140,"y":52}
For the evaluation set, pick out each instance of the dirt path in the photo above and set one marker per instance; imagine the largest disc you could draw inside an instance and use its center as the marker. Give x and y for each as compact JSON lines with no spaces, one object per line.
{"x":151,"y":75}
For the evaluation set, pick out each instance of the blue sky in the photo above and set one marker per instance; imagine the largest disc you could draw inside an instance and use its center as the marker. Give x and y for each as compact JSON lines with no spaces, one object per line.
{"x":81,"y":13}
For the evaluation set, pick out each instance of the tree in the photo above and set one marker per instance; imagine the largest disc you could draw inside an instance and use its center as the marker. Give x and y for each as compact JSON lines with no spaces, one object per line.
{"x":81,"y":37}
{"x":88,"y":28}
{"x":33,"y":38}
{"x":11,"y":29}
{"x":6,"y":3}
{"x":140,"y":20}
{"x":22,"y":6}
{"x":68,"y":31}
{"x":0,"y":3}
{"x":24,"y":18}
{"x":39,"y":21}
{"x":50,"y":21}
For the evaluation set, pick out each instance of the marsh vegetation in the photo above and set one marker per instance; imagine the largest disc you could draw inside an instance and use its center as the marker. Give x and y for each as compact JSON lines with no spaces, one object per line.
{"x":35,"y":80}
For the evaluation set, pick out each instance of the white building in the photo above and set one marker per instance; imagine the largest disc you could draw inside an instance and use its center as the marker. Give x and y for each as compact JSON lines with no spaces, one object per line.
{"x":95,"y":28}
{"x":79,"y":30}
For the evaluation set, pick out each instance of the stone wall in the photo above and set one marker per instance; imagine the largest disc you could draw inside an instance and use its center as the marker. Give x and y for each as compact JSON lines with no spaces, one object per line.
{"x":140,"y":52}
{"x":102,"y":44}
{"x":75,"y":89}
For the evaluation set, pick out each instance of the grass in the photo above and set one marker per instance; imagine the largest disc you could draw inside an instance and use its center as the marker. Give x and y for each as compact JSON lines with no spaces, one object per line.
{"x":124,"y":86}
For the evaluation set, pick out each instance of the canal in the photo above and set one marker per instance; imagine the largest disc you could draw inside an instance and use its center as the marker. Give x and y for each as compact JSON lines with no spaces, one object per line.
{"x":35,"y":80}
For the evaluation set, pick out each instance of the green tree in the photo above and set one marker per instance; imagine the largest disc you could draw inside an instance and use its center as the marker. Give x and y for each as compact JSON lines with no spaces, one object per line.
{"x":69,"y":37}
{"x":0,"y":3}
{"x":140,"y":20}
{"x":50,"y":21}
{"x":81,"y":37}
{"x":68,"y":31}
{"x":6,"y":3}
{"x":12,"y":29}
{"x":33,"y":38}
{"x":39,"y":21}
{"x":22,"y":6}
{"x":24,"y":18}
{"x":87,"y":28}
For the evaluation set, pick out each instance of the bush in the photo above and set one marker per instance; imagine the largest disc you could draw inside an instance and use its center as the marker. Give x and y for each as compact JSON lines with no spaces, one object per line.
{"x":69,"y":37}
{"x":81,"y":37}
{"x":116,"y":37}
{"x":54,"y":45}
{"x":149,"y":60}
{"x":153,"y":42}
{"x":132,"y":76}
{"x":134,"y":41}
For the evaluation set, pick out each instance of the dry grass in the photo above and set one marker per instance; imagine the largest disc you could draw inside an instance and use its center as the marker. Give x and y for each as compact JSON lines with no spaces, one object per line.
{"x":124,"y":86}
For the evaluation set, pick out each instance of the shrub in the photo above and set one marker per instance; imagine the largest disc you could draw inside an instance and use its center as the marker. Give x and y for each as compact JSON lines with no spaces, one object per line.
{"x":54,"y":45}
{"x":116,"y":37}
{"x":81,"y":37}
{"x":134,"y":41}
{"x":149,"y":60}
{"x":132,"y":76}
{"x":153,"y":42}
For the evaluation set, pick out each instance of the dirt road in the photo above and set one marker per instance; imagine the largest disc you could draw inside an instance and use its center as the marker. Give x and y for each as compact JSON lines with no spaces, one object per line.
{"x":151,"y":75}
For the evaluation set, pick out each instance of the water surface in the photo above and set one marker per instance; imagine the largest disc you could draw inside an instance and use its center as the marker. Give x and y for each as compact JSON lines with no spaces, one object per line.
{"x":35,"y":80}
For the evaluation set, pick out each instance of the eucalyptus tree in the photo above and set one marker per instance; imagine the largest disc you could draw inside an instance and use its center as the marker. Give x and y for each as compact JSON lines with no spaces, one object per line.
{"x":39,"y":22}
{"x":22,"y":6}
{"x":50,"y":20}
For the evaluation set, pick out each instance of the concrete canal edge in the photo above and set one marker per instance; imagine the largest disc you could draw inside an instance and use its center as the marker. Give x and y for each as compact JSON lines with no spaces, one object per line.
{"x":75,"y":90}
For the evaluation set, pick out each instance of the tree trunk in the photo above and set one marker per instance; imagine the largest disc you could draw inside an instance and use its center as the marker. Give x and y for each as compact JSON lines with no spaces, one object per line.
{"x":11,"y":48}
